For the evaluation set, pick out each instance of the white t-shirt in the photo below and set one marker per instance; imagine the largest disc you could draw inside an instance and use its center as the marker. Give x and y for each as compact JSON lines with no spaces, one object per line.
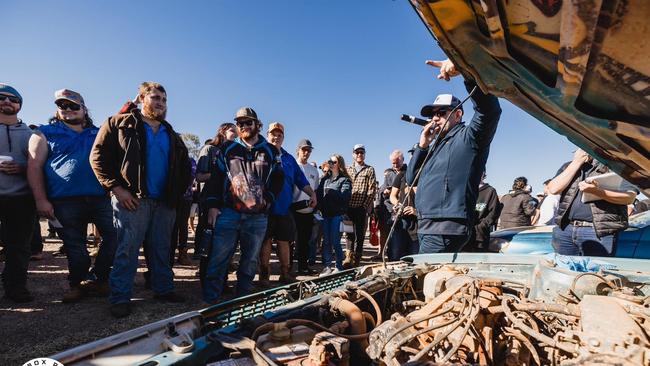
{"x":548,"y":209}
{"x":311,"y":173}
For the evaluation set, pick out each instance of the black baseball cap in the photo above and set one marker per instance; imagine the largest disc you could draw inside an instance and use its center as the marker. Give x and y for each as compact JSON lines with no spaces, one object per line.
{"x":442,"y":101}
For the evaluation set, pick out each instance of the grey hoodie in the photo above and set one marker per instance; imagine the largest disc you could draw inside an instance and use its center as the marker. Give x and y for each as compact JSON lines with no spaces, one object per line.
{"x":14,"y":140}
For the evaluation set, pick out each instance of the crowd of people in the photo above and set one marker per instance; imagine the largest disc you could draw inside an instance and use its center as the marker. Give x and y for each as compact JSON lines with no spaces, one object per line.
{"x":134,"y":180}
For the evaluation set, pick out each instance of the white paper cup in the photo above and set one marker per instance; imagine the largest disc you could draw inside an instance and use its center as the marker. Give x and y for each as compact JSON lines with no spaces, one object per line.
{"x":5,"y":158}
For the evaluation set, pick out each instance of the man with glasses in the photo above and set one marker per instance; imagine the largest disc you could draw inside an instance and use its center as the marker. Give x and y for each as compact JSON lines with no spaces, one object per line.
{"x":363,"y":197}
{"x":65,"y":188}
{"x":281,"y":226}
{"x":247,"y":180}
{"x":143,"y":162}
{"x":17,"y":211}
{"x":449,"y":183}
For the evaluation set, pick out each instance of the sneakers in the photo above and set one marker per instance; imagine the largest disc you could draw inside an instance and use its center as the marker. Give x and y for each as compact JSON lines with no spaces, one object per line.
{"x":75,"y":294}
{"x":326,"y":271}
{"x":121,"y":310}
{"x":19,"y":295}
{"x":169,"y":297}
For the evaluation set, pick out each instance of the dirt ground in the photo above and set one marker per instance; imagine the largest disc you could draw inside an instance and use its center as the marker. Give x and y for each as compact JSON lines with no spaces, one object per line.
{"x":47,"y":326}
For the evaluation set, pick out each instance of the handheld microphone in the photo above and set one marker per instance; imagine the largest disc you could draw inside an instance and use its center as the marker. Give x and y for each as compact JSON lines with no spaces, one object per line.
{"x":414,"y":120}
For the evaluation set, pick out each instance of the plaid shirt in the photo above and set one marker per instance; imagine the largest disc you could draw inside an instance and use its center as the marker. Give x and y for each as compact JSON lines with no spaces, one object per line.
{"x":363,"y":186}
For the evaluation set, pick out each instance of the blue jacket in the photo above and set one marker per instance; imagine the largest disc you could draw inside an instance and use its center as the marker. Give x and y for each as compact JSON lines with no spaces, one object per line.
{"x":448,"y":185}
{"x":293,"y":176}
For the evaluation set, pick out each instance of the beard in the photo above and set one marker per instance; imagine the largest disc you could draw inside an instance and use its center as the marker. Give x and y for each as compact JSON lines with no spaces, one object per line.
{"x":153,"y":113}
{"x":246,"y":134}
{"x":8,"y":110}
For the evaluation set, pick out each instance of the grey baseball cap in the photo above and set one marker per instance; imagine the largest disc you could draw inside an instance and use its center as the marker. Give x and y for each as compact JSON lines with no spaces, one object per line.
{"x":305,"y":143}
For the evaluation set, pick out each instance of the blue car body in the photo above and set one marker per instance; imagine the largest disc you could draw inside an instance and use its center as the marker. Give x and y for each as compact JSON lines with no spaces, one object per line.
{"x":632,"y":243}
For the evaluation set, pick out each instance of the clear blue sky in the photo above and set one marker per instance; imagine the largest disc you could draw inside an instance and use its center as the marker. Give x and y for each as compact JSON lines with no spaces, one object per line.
{"x":338,"y":72}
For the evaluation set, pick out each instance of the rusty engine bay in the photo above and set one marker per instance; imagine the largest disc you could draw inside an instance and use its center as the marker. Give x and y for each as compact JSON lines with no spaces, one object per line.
{"x":455,"y":313}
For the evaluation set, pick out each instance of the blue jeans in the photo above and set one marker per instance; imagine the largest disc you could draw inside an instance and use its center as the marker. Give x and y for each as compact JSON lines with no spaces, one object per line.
{"x":232,"y":227}
{"x":74,"y":214}
{"x":151,"y":223}
{"x":434,"y":243}
{"x":582,"y":240}
{"x":332,"y":239}
{"x":400,"y":243}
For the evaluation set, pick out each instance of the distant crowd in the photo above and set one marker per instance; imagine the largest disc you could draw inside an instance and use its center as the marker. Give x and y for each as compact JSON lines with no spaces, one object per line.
{"x":134,"y":180}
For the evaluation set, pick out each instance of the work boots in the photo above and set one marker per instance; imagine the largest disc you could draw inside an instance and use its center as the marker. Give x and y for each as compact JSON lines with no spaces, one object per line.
{"x":285,"y":264}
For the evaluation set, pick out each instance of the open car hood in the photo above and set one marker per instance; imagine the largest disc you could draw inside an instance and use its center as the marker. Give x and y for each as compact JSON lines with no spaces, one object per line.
{"x":582,"y":67}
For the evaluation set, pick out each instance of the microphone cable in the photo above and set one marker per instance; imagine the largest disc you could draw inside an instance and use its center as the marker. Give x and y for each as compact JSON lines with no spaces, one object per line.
{"x":409,"y":187}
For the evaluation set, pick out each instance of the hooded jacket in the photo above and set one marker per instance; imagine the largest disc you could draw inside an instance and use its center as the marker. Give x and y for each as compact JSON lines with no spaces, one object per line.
{"x":14,"y":141}
{"x":487,"y":212}
{"x":247,"y":179}
{"x":518,"y":207}
{"x":119,"y":153}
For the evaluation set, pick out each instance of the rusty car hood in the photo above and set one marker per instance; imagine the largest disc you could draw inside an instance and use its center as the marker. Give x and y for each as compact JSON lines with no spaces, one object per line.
{"x":580,"y":67}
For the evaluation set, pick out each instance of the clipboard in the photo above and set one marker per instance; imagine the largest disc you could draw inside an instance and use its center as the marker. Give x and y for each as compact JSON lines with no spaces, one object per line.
{"x":609,"y":181}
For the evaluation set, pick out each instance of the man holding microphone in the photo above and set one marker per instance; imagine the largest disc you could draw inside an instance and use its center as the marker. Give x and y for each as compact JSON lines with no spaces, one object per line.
{"x":450,"y":177}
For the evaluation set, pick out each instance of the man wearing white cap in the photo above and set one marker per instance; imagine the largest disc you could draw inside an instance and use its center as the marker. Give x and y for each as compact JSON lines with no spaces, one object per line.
{"x":363,"y":197}
{"x":449,"y":182}
{"x":65,"y":188}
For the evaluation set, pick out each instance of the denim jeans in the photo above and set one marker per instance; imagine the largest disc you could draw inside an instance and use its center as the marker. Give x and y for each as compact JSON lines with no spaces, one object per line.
{"x":434,"y":243}
{"x":232,"y":227}
{"x":400,"y":243}
{"x":151,"y":223}
{"x":582,"y":240}
{"x":332,"y":239}
{"x":74,"y":214}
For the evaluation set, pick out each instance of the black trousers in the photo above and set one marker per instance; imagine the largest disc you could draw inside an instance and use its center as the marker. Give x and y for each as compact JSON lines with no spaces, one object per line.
{"x":179,"y":233}
{"x":355,"y":240}
{"x":304,"y":226}
{"x":17,"y":215}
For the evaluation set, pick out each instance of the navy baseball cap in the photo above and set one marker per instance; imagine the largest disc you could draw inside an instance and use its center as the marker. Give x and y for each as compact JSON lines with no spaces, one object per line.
{"x":443,"y":101}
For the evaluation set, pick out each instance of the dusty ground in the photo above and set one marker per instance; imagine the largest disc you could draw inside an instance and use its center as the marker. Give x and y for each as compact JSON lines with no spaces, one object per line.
{"x":47,"y":326}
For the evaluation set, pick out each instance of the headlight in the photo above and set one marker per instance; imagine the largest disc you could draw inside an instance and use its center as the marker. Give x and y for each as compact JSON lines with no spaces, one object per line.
{"x":498,"y":245}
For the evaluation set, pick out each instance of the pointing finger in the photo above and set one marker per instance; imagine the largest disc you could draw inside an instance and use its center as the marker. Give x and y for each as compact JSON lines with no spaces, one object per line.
{"x":433,"y":63}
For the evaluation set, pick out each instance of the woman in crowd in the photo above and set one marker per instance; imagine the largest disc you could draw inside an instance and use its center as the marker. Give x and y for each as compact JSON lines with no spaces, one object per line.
{"x":334,"y":192}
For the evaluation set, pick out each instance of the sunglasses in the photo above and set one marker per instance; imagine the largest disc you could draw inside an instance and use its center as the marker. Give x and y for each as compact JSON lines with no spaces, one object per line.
{"x":245,"y":123}
{"x":68,"y":105}
{"x":332,"y":162}
{"x":360,"y":152}
{"x":10,"y":98}
{"x":440,"y":113}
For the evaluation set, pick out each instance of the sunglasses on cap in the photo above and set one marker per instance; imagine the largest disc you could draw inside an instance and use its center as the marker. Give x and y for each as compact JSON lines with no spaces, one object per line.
{"x":63,"y":105}
{"x":245,"y":123}
{"x":11,"y":98}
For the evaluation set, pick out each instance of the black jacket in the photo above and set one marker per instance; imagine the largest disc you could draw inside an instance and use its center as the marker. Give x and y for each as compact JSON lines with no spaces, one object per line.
{"x":518,"y":207}
{"x":487,"y":211}
{"x":335,"y":201}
